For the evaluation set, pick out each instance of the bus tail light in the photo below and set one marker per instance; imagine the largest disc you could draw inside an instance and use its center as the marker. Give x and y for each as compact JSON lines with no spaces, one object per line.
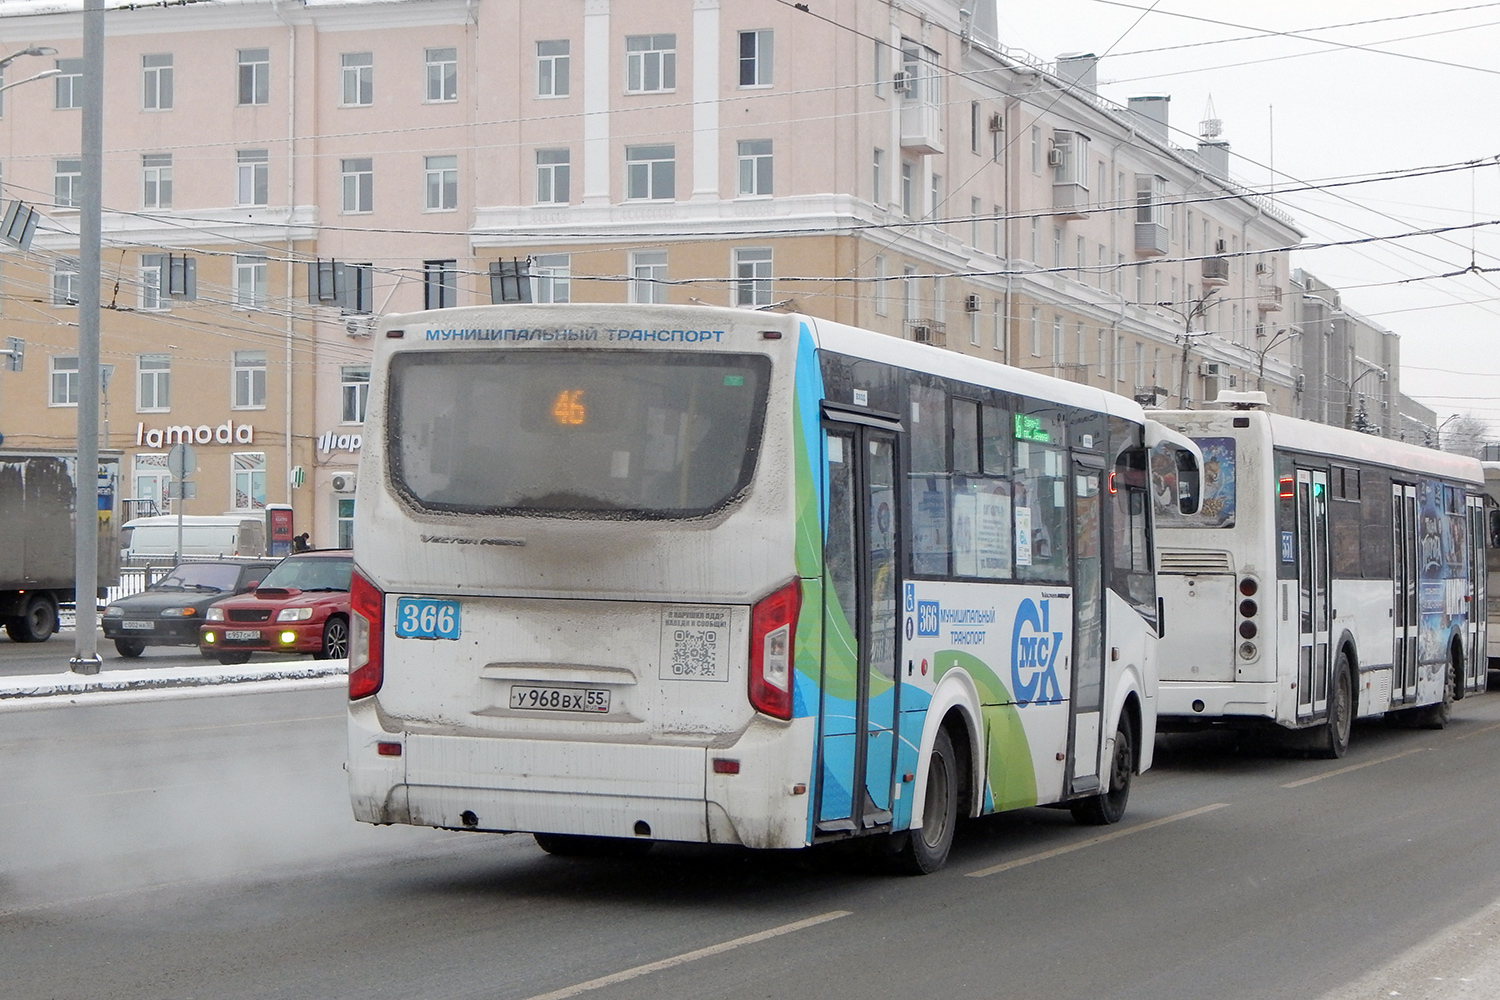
{"x":773,"y":632}
{"x":366,"y":637}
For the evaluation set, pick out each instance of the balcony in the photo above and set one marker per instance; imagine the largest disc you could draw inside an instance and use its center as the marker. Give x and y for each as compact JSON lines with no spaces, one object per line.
{"x":1268,"y":298}
{"x":921,"y":125}
{"x":927,"y":331}
{"x":1070,"y":201}
{"x":1150,"y":239}
{"x":1215,"y":270}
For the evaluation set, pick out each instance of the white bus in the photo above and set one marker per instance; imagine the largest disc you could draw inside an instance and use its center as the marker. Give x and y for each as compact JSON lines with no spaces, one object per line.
{"x":1492,"y":526}
{"x":634,"y":573}
{"x":1328,"y":575}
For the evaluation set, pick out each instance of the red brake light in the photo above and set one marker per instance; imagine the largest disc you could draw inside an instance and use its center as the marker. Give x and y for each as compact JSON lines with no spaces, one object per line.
{"x":366,"y":637}
{"x":1288,"y":488}
{"x":773,"y":634}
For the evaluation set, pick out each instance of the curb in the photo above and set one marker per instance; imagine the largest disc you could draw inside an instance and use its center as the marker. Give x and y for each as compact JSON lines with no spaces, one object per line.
{"x":32,"y":686}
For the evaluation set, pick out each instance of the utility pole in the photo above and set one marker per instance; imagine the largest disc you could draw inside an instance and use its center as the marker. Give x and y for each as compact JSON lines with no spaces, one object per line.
{"x":86,"y":507}
{"x":1187,"y":312}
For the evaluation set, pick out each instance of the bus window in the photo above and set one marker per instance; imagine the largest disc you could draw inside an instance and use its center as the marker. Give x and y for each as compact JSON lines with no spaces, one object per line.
{"x":1040,"y":499}
{"x":1131,"y":571}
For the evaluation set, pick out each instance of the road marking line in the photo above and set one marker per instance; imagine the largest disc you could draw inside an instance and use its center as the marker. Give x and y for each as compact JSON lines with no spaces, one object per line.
{"x":691,"y":956}
{"x":1477,"y":732}
{"x":1352,"y":767}
{"x":1080,"y":845}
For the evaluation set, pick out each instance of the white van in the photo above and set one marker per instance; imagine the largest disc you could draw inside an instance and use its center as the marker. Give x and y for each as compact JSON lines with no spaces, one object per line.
{"x":154,"y":539}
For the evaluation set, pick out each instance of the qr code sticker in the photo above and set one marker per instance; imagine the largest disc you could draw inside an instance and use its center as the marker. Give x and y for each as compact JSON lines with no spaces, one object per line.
{"x":695,"y":644}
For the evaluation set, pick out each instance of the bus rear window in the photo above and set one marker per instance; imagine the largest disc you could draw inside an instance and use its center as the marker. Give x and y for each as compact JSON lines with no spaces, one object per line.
{"x":1218,"y":503}
{"x":575,"y":433}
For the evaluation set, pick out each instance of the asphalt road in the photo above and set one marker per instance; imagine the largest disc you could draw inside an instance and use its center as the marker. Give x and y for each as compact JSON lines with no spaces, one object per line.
{"x":52,"y":656}
{"x":202,"y":848}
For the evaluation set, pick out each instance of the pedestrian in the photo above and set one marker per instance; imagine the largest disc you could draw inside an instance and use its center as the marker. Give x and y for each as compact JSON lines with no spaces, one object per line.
{"x":300,"y":543}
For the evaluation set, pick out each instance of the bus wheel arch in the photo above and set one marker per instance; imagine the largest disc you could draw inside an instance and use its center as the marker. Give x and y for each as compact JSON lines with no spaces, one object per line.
{"x":944,"y":783}
{"x":954,"y":708}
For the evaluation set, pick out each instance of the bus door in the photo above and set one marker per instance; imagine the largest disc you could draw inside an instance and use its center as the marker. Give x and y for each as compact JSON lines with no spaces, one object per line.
{"x":860,"y":693}
{"x":1313,"y":661}
{"x":1088,"y":620}
{"x":1476,"y":661}
{"x":1404,"y":566}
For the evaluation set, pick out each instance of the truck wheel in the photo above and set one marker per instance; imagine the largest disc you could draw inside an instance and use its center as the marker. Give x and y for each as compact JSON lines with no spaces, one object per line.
{"x":130,"y":647}
{"x":37,"y":622}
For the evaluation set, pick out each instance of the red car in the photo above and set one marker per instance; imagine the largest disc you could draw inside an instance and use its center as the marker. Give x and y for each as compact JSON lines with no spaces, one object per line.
{"x":302,"y":606}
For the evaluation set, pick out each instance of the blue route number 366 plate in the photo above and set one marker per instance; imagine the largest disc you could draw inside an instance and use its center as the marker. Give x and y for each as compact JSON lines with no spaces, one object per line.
{"x":421,"y":618}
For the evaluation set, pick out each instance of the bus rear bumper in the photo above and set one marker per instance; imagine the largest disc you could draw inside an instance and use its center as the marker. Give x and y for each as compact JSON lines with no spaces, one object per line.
{"x":628,"y":790}
{"x":1184,"y":704}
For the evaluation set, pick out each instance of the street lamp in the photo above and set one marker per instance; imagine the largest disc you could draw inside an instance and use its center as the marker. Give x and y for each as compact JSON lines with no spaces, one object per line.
{"x":1438,"y":434}
{"x":32,"y":50}
{"x":1281,"y":335}
{"x":44,"y":74}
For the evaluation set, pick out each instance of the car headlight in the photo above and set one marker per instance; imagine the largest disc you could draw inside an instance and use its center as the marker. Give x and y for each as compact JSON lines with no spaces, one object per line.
{"x":179,"y":612}
{"x":214,"y":615}
{"x":294,"y":614}
{"x":114,"y":611}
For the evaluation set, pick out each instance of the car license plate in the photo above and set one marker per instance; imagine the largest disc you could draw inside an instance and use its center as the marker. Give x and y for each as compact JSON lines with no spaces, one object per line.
{"x":422,"y":618}
{"x":139,"y":626}
{"x":554,"y":699}
{"x":242,"y":633}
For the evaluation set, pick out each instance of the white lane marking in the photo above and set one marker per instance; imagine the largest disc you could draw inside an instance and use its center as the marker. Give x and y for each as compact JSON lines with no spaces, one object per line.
{"x":1477,"y":732}
{"x":1353,"y":767}
{"x":690,"y":956}
{"x":1080,"y":845}
{"x":69,"y":699}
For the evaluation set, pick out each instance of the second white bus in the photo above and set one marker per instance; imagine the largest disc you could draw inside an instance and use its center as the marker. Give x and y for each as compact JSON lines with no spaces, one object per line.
{"x":1328,"y":575}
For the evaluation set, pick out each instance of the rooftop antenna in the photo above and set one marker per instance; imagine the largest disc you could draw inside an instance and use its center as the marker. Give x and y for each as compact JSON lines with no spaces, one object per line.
{"x":1210,"y":127}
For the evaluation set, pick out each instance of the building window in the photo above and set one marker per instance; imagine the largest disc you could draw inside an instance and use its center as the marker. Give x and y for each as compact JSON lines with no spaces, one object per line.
{"x":1036,"y":332}
{"x":442,"y":183}
{"x":151,"y":298}
{"x":650,"y":173}
{"x":358,"y":79}
{"x":255,"y":76}
{"x":150,"y":478}
{"x":252,"y":177}
{"x":64,"y":390}
{"x":937,"y":196}
{"x":549,"y":277}
{"x":975,"y":212}
{"x":552,"y":172}
{"x":156,"y":180}
{"x":1150,"y":191}
{"x":65,"y":281}
{"x":882,"y":60}
{"x":250,"y":281}
{"x":650,"y":63}
{"x":906,"y":183}
{"x":69,"y":83}
{"x":345,"y":522}
{"x":1036,"y":149}
{"x":877,"y":190}
{"x":156,"y":82}
{"x":67,"y":183}
{"x":354,"y":390}
{"x":359,"y":185}
{"x":439,"y":284}
{"x":249,"y":480}
{"x":756,"y":51}
{"x":879,"y":291}
{"x":153,"y":381}
{"x":752,"y":273}
{"x":249,"y":380}
{"x":1057,"y":341}
{"x":552,"y":64}
{"x":442,"y":75}
{"x":648,"y":271}
{"x":755,"y":167}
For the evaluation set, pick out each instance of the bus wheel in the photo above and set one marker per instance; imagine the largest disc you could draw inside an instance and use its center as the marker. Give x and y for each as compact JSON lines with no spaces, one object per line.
{"x":130,"y":648}
{"x":1109,"y":806}
{"x":572,"y":845}
{"x":1438,"y":715}
{"x":926,"y":850}
{"x":1333,"y":742}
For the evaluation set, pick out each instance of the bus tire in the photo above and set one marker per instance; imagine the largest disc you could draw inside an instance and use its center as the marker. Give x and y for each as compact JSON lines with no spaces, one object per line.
{"x":37,"y":621}
{"x":923,"y":851}
{"x":130,"y":648}
{"x":572,"y":845}
{"x":1439,"y":714}
{"x":1333,"y":739}
{"x":1109,"y":805}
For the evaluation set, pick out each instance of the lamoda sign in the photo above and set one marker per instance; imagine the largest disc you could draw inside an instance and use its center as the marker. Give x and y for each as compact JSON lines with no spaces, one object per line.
{"x":228,"y":432}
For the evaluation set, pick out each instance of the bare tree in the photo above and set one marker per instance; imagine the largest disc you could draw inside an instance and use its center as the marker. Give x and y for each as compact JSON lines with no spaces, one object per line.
{"x":1464,"y":434}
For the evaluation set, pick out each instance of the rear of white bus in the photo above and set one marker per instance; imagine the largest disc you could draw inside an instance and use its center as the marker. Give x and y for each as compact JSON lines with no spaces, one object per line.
{"x":575,"y":576}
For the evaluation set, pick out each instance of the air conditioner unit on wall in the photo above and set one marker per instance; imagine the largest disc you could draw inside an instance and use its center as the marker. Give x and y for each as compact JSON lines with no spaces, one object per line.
{"x":1054,"y":157}
{"x":921,"y":333}
{"x":343,"y":482}
{"x":1209,"y":369}
{"x":901,"y":83}
{"x":997,"y":124}
{"x":971,"y":303}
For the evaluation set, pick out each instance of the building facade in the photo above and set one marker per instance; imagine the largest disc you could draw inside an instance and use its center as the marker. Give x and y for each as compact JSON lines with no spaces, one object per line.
{"x":277,"y":173}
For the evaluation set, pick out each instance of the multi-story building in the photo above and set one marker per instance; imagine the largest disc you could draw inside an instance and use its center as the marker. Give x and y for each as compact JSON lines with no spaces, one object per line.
{"x":891,"y":166}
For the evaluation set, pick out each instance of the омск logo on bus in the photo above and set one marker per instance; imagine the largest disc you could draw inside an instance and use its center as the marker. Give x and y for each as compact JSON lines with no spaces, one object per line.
{"x":1033,"y":654}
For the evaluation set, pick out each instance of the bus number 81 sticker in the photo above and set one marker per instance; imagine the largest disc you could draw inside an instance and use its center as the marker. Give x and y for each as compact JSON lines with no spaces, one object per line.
{"x":694,"y":644}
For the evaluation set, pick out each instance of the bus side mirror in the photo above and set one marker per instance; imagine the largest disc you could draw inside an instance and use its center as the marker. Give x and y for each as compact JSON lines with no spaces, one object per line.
{"x":1495,"y":529}
{"x":1189,"y":482}
{"x":1161,"y":617}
